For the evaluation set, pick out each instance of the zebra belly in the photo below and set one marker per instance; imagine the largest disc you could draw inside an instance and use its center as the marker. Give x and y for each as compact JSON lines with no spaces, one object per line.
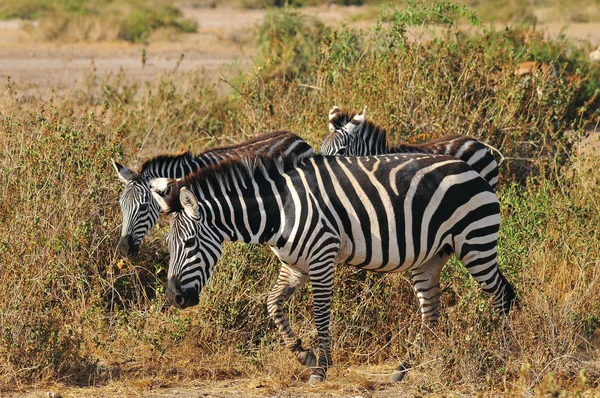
{"x":358,"y":256}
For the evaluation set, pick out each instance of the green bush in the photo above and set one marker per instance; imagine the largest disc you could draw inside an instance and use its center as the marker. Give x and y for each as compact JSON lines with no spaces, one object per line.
{"x":289,"y":43}
{"x":138,"y":24}
{"x":77,"y":20}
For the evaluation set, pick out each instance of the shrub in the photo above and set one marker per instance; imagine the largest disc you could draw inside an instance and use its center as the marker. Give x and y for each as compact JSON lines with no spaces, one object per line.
{"x":81,"y":20}
{"x":289,"y":43}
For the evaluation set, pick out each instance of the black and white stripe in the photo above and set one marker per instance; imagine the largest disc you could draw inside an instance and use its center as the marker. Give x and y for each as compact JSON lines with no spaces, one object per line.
{"x":140,"y":209}
{"x":357,"y":136}
{"x":387,"y":213}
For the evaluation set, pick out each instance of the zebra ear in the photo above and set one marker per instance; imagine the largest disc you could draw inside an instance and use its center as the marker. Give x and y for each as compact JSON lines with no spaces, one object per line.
{"x":360,"y":117}
{"x":188,"y":201}
{"x":161,"y":190}
{"x":124,"y":173}
{"x":356,"y":120}
{"x":160,"y":199}
{"x":161,"y":185}
{"x":334,"y":113}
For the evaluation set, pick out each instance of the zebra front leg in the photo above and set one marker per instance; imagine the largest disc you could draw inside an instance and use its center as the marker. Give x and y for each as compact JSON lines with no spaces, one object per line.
{"x":426,"y":282}
{"x":321,"y":279}
{"x":288,"y":281}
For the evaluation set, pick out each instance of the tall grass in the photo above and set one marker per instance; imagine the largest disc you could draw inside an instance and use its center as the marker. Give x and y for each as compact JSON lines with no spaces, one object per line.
{"x":71,"y":310}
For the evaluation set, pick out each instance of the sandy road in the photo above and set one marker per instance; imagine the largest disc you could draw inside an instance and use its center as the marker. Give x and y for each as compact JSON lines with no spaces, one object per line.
{"x":224,"y":42}
{"x":224,"y":35}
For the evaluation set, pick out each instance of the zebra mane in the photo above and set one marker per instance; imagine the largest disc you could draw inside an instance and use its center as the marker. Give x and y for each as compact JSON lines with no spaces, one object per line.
{"x":152,"y":167}
{"x":156,"y":162}
{"x":241,"y":165}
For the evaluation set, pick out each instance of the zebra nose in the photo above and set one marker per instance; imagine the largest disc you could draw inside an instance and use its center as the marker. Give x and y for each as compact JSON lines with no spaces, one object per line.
{"x":178,"y":297}
{"x":126,"y":246}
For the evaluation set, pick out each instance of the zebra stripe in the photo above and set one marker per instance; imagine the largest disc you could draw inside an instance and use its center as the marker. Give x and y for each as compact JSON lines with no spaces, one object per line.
{"x":357,"y":136}
{"x":388,"y":213}
{"x":140,"y":209}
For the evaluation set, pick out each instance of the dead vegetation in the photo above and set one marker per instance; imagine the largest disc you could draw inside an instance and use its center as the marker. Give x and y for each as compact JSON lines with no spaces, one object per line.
{"x":73,"y":312}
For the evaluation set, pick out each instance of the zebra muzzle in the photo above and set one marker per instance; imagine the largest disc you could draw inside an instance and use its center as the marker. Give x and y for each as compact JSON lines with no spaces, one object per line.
{"x":127,"y":246}
{"x":181,"y":298}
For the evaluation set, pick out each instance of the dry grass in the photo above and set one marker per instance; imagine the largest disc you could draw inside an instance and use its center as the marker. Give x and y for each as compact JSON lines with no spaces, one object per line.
{"x":96,"y":20}
{"x":72,"y":312}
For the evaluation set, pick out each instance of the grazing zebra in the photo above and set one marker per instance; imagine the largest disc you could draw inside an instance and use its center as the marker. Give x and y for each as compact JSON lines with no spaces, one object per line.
{"x":358,"y":136}
{"x":388,"y":213}
{"x":140,"y":209}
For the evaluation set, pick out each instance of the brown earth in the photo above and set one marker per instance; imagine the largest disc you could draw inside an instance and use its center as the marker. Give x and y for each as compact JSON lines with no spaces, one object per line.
{"x":352,"y":382}
{"x":225,"y":36}
{"x":224,"y":41}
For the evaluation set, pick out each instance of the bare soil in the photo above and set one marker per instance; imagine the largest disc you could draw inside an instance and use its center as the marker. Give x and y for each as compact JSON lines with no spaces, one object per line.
{"x":352,"y":382}
{"x":224,"y":41}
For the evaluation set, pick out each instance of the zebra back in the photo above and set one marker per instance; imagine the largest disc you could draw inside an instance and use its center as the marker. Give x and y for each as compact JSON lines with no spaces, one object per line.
{"x":282,"y":144}
{"x":358,"y":136}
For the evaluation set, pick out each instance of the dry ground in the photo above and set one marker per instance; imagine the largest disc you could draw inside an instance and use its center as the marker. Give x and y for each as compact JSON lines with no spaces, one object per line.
{"x":224,"y":37}
{"x":218,"y":389}
{"x":365,"y":381}
{"x":223,"y":42}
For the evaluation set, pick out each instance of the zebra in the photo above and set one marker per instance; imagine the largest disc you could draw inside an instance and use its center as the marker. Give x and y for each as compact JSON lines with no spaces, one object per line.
{"x":357,"y":136}
{"x":140,"y":209}
{"x":388,"y":213}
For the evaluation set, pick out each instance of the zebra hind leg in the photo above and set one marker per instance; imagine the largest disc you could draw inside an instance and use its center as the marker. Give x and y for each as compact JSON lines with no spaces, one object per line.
{"x":483,"y":266}
{"x":426,"y":282}
{"x":288,"y":282}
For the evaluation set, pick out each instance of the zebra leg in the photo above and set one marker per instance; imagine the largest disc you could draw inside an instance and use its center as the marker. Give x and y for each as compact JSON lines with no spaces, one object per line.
{"x":426,"y":282}
{"x":288,"y":281}
{"x":483,"y":266}
{"x":321,"y":278}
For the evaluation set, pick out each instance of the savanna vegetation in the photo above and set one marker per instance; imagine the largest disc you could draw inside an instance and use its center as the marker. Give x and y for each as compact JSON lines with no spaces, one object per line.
{"x":72,"y":311}
{"x":92,"y":20}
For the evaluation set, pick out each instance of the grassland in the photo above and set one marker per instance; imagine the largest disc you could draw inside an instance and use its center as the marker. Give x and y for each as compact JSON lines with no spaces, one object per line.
{"x":93,"y":20}
{"x":73,"y":313}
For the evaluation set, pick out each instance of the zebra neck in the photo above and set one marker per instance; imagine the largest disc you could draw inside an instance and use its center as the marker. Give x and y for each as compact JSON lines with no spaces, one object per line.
{"x":371,"y":140}
{"x":242,"y":208}
{"x":169,"y":166}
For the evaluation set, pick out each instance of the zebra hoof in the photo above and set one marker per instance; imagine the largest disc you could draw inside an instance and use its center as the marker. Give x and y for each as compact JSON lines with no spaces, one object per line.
{"x":307,"y":358}
{"x":315,"y":380}
{"x":397,"y":376}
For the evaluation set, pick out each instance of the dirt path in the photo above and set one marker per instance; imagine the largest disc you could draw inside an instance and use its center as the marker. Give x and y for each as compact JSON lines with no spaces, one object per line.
{"x":358,"y":382}
{"x":224,"y":35}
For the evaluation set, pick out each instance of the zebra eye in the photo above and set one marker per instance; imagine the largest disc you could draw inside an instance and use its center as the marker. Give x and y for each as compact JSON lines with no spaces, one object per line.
{"x":144,"y":206}
{"x":189,"y":242}
{"x":341,"y":152}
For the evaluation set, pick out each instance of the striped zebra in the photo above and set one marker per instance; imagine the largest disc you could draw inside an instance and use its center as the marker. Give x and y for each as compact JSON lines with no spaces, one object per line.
{"x":357,"y":136}
{"x":387,"y":213}
{"x":140,"y":209}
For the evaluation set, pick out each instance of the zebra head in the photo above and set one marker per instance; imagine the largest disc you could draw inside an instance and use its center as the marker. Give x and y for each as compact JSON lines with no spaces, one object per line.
{"x":194,"y":247}
{"x":140,"y":210}
{"x":342,"y":132}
